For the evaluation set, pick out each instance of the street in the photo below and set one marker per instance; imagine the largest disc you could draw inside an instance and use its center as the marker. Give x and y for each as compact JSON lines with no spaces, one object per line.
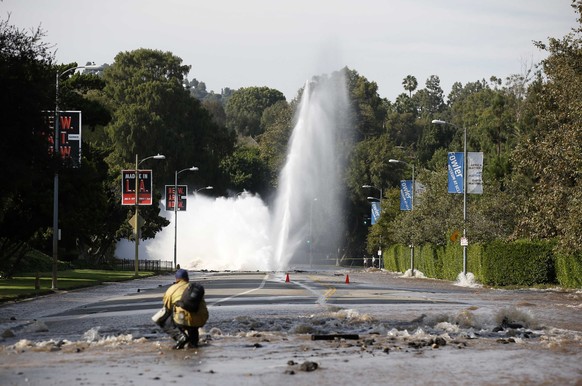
{"x":324,"y":326}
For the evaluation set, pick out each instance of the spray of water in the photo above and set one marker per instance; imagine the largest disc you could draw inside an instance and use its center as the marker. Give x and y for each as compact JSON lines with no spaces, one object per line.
{"x":304,"y":225}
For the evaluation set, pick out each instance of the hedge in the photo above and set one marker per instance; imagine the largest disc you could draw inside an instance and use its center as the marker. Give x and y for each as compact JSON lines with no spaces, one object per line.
{"x":569,"y":270}
{"x":521,"y":263}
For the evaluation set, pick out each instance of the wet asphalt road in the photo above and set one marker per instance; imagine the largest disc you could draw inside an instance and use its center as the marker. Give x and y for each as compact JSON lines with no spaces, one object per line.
{"x":260,"y":324}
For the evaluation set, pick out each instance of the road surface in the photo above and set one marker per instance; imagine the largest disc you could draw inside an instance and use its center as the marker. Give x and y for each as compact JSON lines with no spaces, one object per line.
{"x":326,"y":327}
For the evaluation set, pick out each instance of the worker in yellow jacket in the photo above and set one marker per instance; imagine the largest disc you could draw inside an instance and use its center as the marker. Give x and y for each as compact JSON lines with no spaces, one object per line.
{"x":186,"y":322}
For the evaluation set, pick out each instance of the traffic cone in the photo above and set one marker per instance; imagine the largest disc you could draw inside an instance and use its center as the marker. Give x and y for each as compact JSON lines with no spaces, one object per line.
{"x":287,"y":278}
{"x":347,"y":279}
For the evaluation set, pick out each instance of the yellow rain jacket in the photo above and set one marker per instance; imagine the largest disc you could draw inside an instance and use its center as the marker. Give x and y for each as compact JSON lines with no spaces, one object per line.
{"x":180,"y":315}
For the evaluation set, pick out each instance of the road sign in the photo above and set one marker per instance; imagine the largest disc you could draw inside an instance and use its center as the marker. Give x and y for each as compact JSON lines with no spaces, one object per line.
{"x":145,"y":178}
{"x":464,"y":241}
{"x":140,"y":222}
{"x":181,"y":195}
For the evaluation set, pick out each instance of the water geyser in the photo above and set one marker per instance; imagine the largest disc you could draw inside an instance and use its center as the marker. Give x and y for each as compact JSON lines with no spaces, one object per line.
{"x":303,"y":227}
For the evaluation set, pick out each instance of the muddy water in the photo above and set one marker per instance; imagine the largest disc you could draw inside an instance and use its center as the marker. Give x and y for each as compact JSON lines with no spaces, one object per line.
{"x":451,"y":339}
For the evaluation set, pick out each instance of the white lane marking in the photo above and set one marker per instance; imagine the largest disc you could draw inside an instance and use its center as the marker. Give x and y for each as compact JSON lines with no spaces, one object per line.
{"x":242,"y":293}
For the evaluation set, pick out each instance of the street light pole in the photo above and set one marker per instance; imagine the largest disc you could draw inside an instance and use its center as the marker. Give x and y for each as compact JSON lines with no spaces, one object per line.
{"x":193,"y":168}
{"x":380,"y":201}
{"x":137,"y":225}
{"x":439,"y":122}
{"x":56,"y":178}
{"x":412,"y":194}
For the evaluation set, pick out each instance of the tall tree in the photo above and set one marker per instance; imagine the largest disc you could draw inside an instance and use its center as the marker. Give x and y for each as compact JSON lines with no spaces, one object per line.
{"x":27,"y":85}
{"x":369,"y":110}
{"x":246,"y":106}
{"x":153,"y":113}
{"x":549,"y":157}
{"x":277,"y":126}
{"x":410,"y":84}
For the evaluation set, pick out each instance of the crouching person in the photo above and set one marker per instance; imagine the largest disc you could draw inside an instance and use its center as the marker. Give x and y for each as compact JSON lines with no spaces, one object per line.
{"x":189,"y":311}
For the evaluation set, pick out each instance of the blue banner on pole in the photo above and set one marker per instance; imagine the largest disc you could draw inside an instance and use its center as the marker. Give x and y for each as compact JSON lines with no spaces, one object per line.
{"x":406,"y":195}
{"x":375,"y":212}
{"x":455,"y":169}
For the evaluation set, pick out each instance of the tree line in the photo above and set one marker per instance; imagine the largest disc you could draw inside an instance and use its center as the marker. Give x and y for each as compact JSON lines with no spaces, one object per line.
{"x":528,"y":125}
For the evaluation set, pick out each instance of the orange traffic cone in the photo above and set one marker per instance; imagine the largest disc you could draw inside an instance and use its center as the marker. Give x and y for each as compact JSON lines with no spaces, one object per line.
{"x":287,"y":278}
{"x":347,"y":279}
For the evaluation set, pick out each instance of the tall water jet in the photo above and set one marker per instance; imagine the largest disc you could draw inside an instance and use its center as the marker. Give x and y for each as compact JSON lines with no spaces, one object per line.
{"x":307,"y":222}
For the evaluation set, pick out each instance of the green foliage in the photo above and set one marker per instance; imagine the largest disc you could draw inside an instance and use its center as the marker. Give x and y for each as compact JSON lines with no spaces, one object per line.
{"x":276,"y":123}
{"x":548,"y":155}
{"x":426,"y":261}
{"x":153,"y":113}
{"x":451,"y":256}
{"x":246,"y":106}
{"x":27,"y":88}
{"x":569,"y":270}
{"x":410,"y":83}
{"x":394,"y":259}
{"x":246,"y":170}
{"x":518,"y":263}
{"x":369,"y":110}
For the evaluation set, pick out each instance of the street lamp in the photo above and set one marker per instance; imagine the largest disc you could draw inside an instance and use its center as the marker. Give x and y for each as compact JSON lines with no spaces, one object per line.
{"x":411,"y":208}
{"x":56,"y":178}
{"x":372,"y":199}
{"x":137,"y":222}
{"x":205,"y":188}
{"x":439,"y":122}
{"x":193,"y":169}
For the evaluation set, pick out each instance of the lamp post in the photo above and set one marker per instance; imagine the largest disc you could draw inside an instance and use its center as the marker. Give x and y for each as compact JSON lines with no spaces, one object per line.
{"x":412,"y":209}
{"x":439,"y":122}
{"x":56,"y":178}
{"x":193,"y":169}
{"x":137,"y":224}
{"x":379,"y":200}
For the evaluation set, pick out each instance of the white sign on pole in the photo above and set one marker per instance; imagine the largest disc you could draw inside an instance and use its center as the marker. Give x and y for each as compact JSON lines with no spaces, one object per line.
{"x":475,"y":172}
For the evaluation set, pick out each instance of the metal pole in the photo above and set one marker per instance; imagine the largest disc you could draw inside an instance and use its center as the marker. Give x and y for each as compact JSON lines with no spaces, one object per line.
{"x":465,"y":201}
{"x":175,"y":217}
{"x":136,"y":216}
{"x":56,"y":189}
{"x":311,"y":234}
{"x":464,"y":240}
{"x":380,"y":255}
{"x":412,"y":240}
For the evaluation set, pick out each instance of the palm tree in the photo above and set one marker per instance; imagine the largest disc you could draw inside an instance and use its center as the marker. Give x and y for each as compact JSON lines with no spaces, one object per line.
{"x":410,"y":83}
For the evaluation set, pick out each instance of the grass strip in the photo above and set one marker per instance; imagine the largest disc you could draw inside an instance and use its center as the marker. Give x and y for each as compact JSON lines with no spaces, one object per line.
{"x":24,"y":285}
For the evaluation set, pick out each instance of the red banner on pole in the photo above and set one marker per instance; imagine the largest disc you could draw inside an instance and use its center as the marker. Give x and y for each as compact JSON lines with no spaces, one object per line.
{"x":144,"y":185}
{"x":180,"y":196}
{"x":69,"y":136}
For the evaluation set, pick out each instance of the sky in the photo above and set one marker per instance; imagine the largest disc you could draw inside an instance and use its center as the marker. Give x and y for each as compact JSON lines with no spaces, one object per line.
{"x":281,"y":44}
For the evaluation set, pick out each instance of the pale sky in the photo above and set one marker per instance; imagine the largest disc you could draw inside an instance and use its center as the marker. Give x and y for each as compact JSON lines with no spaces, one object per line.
{"x":281,"y":44}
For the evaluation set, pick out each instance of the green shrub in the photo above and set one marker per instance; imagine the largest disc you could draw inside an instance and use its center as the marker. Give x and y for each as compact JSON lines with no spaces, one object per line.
{"x":394,"y":259}
{"x":569,"y":270}
{"x":518,"y":263}
{"x":452,"y":261}
{"x":426,"y":261}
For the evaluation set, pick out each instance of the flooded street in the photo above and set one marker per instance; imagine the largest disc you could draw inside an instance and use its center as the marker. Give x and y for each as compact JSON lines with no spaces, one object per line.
{"x":318,"y":328}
